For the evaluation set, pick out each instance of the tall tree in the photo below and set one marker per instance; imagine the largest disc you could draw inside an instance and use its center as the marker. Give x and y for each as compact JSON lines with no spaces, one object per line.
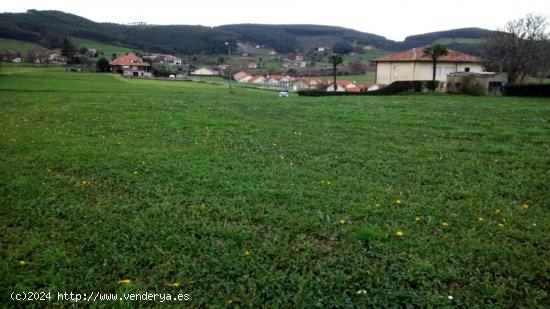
{"x":520,"y":49}
{"x":435,"y":51}
{"x":68,"y":50}
{"x":102,"y":65}
{"x":335,"y":60}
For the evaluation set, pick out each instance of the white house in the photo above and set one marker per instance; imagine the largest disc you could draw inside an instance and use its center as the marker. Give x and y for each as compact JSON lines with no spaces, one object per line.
{"x":204,"y":72}
{"x":412,"y":64}
{"x":131,"y":65}
{"x":172,"y":60}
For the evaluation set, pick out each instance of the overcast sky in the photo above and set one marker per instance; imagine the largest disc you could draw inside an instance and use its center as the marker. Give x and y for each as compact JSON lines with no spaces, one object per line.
{"x":390,"y":18}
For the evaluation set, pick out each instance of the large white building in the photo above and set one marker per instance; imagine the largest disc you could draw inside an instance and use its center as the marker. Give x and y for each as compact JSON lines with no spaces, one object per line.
{"x":412,"y":64}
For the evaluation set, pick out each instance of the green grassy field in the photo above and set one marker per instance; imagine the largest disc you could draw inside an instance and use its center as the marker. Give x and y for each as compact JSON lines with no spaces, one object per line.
{"x":368,"y":77}
{"x":107,"y":49}
{"x":18,"y":46}
{"x":246,"y":199}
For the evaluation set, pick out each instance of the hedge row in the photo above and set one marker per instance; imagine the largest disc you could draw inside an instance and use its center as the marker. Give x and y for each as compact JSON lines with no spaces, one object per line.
{"x":531,"y":90}
{"x":393,"y":88}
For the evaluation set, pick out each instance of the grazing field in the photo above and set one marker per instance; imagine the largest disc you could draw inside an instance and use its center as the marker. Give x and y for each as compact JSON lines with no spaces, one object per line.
{"x":107,"y":49}
{"x":116,"y":185}
{"x":19,"y":46}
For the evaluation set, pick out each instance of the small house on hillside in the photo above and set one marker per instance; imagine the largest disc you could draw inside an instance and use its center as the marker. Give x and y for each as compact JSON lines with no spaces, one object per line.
{"x":56,"y":58}
{"x":169,"y":59}
{"x":131,"y":65}
{"x":204,"y":72}
{"x":412,"y":64}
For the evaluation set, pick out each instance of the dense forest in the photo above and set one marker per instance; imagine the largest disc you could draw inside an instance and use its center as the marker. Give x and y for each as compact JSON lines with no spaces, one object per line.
{"x":49,"y":28}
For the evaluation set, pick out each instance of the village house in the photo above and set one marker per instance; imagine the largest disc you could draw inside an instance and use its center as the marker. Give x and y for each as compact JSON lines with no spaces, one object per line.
{"x":278,"y":80}
{"x":242,"y":77}
{"x":205,"y":72}
{"x":304,"y":83}
{"x":299,"y":57}
{"x":56,"y":58}
{"x":257,"y":79}
{"x":341,"y":86}
{"x":412,"y":64}
{"x":252,"y":65}
{"x":131,"y":65}
{"x":169,"y":59}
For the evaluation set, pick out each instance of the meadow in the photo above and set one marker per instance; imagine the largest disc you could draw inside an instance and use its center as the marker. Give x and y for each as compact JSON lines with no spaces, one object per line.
{"x":19,"y":46}
{"x":116,"y":185}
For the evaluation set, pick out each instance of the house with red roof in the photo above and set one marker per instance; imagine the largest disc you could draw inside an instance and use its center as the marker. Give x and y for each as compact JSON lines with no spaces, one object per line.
{"x":341,"y":86}
{"x":131,"y":65}
{"x":412,"y":64}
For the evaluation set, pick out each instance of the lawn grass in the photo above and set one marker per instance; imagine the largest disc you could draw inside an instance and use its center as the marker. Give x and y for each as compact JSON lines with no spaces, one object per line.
{"x":19,"y":46}
{"x":248,"y":199}
{"x":368,"y":77}
{"x":107,"y":49}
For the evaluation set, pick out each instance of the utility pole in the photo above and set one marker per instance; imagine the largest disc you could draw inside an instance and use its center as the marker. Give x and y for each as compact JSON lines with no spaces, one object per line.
{"x":229,"y":66}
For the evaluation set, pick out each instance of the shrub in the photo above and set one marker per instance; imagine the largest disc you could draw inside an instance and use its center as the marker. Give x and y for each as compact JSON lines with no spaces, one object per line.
{"x":530,"y":90}
{"x":472,"y":87}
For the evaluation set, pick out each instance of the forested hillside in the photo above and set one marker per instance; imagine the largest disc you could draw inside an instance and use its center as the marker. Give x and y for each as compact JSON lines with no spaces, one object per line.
{"x":49,"y":28}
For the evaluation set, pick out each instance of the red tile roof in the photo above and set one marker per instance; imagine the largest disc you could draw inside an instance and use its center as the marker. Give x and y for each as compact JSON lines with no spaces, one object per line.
{"x":417,"y":54}
{"x":343,"y":83}
{"x":130,"y":59}
{"x":359,"y":87}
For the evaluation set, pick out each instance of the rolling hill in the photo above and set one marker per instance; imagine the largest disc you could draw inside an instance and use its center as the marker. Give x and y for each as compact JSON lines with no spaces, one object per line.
{"x":48,"y":28}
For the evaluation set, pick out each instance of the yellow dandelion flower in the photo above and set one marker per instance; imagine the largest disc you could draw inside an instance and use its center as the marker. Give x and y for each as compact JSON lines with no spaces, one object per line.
{"x":445,"y":223}
{"x":417,"y":219}
{"x":399,"y":233}
{"x":342,"y":221}
{"x":480,"y":219}
{"x":124,"y":281}
{"x":525,"y":206}
{"x":398,"y":202}
{"x":247,"y":253}
{"x":22,"y":263}
{"x":500,"y":225}
{"x":175,"y":285}
{"x":497,"y":211}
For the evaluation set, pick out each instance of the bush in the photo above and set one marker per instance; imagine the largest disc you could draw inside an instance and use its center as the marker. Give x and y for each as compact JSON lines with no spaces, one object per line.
{"x":472,"y":87}
{"x":102,"y":65}
{"x":530,"y":90}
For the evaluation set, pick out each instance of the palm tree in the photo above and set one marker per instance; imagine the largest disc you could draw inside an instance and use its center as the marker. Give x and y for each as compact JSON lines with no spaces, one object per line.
{"x":435,"y":51}
{"x":335,"y":60}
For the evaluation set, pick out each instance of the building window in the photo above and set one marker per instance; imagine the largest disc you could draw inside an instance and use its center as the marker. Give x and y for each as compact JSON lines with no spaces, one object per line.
{"x":395,"y":70}
{"x":466,"y":69}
